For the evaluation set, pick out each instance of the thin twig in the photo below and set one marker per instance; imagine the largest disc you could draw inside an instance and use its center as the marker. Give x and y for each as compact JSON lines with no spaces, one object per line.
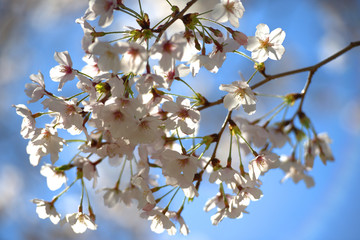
{"x":313,"y":68}
{"x":210,"y":104}
{"x":176,"y":17}
{"x":304,"y":91}
{"x":228,"y":117}
{"x":199,"y":177}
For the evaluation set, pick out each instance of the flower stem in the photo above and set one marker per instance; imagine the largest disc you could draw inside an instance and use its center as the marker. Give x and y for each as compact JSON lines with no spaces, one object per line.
{"x":64,"y":191}
{"x":244,"y":55}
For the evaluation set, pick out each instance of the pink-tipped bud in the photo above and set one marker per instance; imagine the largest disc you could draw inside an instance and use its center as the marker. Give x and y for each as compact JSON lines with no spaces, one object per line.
{"x":240,"y":37}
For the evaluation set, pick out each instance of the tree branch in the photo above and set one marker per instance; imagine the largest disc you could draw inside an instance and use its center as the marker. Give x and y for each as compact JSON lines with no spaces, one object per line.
{"x":313,"y":68}
{"x":176,"y":17}
{"x":210,"y":104}
{"x":217,"y":142}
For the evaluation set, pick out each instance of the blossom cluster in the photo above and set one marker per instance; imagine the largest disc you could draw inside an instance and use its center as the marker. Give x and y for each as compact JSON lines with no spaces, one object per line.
{"x":126,"y":113}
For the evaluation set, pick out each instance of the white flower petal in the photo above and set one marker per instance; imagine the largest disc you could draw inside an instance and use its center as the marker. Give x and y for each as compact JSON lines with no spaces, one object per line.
{"x":262,"y":31}
{"x":277,"y":36}
{"x":276,"y":52}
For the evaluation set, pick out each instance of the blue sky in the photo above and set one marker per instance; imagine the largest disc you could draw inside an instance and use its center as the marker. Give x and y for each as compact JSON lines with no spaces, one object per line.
{"x":287,"y":211}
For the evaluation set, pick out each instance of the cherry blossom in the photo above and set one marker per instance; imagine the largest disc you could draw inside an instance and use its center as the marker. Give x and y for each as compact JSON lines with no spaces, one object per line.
{"x":219,"y":51}
{"x":239,"y":94}
{"x":46,"y":209}
{"x":92,"y":68}
{"x":134,"y":57}
{"x":295,"y":170}
{"x":112,"y":196}
{"x":28,"y":123}
{"x":240,"y":38}
{"x":147,"y":81}
{"x":216,"y":201}
{"x":199,"y":60}
{"x":168,"y":50}
{"x":102,"y":8}
{"x":182,"y":114}
{"x":184,"y":229}
{"x":232,"y":178}
{"x":147,"y":196}
{"x":180,"y":170}
{"x":252,"y":132}
{"x":318,"y":146}
{"x":266,"y":44}
{"x":126,"y":111}
{"x":278,"y":136}
{"x":108,"y":55}
{"x":262,"y":163}
{"x":88,"y":30}
{"x":248,"y":191}
{"x":229,"y":209}
{"x":64,"y":71}
{"x":159,"y":221}
{"x":80,"y":222}
{"x":147,"y":130}
{"x":87,"y":86}
{"x":35,"y":90}
{"x":88,"y":168}
{"x":54,"y":178}
{"x":45,"y":141}
{"x":169,"y":76}
{"x":323,"y":147}
{"x":115,"y":118}
{"x":68,"y":112}
{"x":229,"y":10}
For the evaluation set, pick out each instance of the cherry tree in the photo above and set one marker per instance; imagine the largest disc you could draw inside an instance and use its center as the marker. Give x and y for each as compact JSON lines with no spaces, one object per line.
{"x":126,"y":113}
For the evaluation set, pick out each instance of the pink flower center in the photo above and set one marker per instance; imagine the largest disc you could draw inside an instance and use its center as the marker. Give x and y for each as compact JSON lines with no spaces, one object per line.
{"x":66,"y":69}
{"x":108,"y":5}
{"x":219,"y":48}
{"x":125,"y":102}
{"x":183,"y":113}
{"x":70,"y":109}
{"x":168,"y":47}
{"x":144,"y":125}
{"x":134,"y":52}
{"x":265,"y":43}
{"x":170,"y":75}
{"x":183,"y":162}
{"x":118,"y":115}
{"x":229,"y":6}
{"x":109,"y":54}
{"x":260,"y":161}
{"x":46,"y":134}
{"x":240,"y":91}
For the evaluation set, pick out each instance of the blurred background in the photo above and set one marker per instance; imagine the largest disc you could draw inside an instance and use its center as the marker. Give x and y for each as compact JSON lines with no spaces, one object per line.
{"x":31,"y":31}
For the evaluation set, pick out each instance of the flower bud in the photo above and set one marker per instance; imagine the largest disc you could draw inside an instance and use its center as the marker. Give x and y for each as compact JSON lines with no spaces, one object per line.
{"x":147,"y":34}
{"x":201,"y":100}
{"x":97,"y":34}
{"x":234,"y":129}
{"x":299,"y":134}
{"x":190,"y":20}
{"x":216,"y":32}
{"x":207,"y":40}
{"x":291,"y":98}
{"x":304,"y":120}
{"x":197,"y":44}
{"x":260,"y":67}
{"x":175,"y":10}
{"x":215,"y":163}
{"x":102,"y":87}
{"x":144,"y":23}
{"x":239,"y":37}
